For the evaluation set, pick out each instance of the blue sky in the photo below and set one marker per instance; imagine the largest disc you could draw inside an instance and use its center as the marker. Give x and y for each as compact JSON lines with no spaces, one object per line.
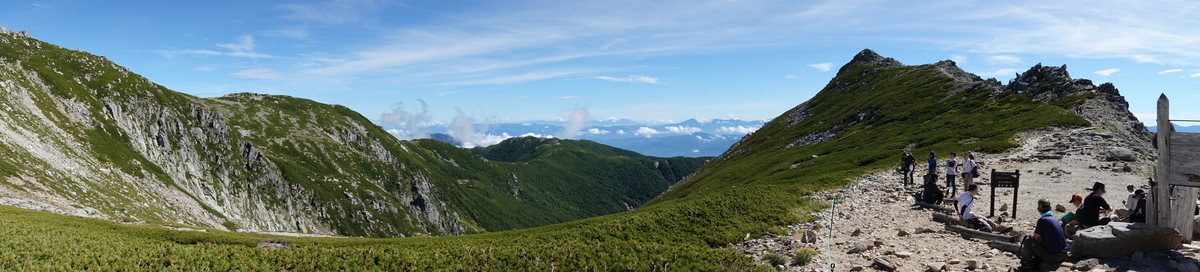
{"x":644,"y":60}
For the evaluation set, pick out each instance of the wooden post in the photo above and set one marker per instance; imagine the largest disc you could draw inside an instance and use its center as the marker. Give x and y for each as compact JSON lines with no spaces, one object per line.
{"x":1159,"y":204}
{"x":993,"y":196}
{"x":1016,"y":190}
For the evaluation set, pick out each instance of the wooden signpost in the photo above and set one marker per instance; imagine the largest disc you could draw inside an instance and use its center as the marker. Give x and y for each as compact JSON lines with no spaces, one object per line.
{"x":1005,"y":180}
{"x":1172,"y":201}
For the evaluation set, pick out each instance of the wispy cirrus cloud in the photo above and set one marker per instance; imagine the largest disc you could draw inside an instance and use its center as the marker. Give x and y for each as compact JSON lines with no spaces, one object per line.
{"x":823,"y":67}
{"x":260,"y":73}
{"x":1168,"y":71}
{"x":1107,"y":72}
{"x":243,"y":48}
{"x":334,"y":11}
{"x":1004,"y":59}
{"x":630,"y":79}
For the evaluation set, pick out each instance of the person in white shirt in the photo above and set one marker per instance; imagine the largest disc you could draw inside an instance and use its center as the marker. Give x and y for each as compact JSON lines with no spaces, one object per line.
{"x":951,"y":173}
{"x":968,"y":166}
{"x":965,"y":202}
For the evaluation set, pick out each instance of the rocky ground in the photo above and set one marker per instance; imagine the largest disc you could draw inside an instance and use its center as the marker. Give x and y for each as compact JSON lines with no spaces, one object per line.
{"x":875,"y":217}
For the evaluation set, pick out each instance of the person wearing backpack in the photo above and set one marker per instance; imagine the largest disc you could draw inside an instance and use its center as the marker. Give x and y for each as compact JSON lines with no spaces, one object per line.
{"x":965,"y":202}
{"x":970,"y":171}
{"x":951,"y":173}
{"x":907,"y":161}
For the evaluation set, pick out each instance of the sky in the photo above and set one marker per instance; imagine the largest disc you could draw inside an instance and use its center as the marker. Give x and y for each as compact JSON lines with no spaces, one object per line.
{"x":662,"y":61}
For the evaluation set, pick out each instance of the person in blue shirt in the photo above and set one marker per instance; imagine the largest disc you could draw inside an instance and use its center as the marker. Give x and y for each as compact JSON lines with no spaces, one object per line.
{"x":932,"y":165}
{"x":1047,"y":248}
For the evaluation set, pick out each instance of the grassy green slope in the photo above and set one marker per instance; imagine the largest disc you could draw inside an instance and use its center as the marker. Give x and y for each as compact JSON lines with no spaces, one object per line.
{"x":872,"y":111}
{"x":319,"y":161}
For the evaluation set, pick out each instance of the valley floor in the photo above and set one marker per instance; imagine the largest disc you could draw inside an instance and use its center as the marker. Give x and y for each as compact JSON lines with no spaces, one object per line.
{"x":881,"y":209}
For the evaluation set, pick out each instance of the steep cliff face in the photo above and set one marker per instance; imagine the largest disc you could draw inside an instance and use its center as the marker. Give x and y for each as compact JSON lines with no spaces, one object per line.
{"x":83,"y":135}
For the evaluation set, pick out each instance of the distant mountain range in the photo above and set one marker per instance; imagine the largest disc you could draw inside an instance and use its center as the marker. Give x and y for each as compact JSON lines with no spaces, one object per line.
{"x":690,"y":138}
{"x":1178,"y":128}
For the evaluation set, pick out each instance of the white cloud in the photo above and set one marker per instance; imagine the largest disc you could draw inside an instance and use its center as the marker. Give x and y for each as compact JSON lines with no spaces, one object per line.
{"x":695,"y":151}
{"x":1004,"y":59}
{"x":790,"y":77}
{"x":243,"y":48}
{"x":960,"y":59}
{"x":1170,"y":71}
{"x":621,"y":132}
{"x":1194,"y":75}
{"x":1000,"y":72}
{"x":596,"y":131}
{"x":682,"y":129}
{"x":259,"y":73}
{"x":293,"y":32}
{"x":632,"y":79}
{"x":333,"y":12}
{"x":1107,"y":72}
{"x":645,"y":131}
{"x":736,"y":130}
{"x":823,"y":67}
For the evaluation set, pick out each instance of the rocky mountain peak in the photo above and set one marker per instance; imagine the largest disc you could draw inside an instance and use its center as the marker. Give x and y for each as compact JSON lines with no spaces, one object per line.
{"x":950,"y":68}
{"x":870,"y":58}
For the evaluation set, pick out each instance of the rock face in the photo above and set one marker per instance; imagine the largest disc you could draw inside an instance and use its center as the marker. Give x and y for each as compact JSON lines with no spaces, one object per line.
{"x":82,"y":135}
{"x":1122,"y":154}
{"x":1122,"y":239}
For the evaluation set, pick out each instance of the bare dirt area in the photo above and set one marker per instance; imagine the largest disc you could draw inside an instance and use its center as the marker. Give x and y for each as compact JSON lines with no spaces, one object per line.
{"x":875,"y":217}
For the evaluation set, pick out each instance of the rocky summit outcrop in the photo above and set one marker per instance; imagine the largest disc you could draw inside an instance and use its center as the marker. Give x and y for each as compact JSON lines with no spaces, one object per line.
{"x":1123,"y":239}
{"x":82,"y":135}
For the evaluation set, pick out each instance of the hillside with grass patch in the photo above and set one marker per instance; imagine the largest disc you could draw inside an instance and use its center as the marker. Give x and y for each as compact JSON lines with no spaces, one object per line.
{"x":83,"y":135}
{"x":871,"y":111}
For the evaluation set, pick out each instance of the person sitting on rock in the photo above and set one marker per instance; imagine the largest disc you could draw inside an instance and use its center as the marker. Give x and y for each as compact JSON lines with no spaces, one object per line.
{"x":1047,"y":248}
{"x":965,"y":202}
{"x":1069,"y":224}
{"x":1138,"y":215}
{"x":1093,"y":205}
{"x":932,"y":193}
{"x":1128,"y":204}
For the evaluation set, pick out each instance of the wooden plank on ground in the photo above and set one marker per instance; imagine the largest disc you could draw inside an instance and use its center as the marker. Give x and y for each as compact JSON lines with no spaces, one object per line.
{"x":970,"y":233}
{"x":948,"y":219}
{"x":1005,"y":246}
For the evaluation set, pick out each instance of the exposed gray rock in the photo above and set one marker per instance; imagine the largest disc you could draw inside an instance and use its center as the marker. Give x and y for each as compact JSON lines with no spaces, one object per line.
{"x":883,"y":264}
{"x":1087,"y":264}
{"x":857,"y":248}
{"x":1120,"y":239}
{"x":1122,"y":154}
{"x":935,"y":266}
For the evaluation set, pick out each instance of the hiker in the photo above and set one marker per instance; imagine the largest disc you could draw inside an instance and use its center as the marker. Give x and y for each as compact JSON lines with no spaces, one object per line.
{"x":965,"y":202}
{"x":1069,"y":224}
{"x":932,"y":193}
{"x":969,"y":173}
{"x":951,"y":173}
{"x":1138,"y":214}
{"x":1093,"y":205}
{"x":1047,"y":248}
{"x":932,"y":163}
{"x":906,"y":167}
{"x":1129,"y":202}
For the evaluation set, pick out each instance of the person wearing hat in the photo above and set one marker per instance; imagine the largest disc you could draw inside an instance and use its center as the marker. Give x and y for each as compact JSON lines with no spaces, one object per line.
{"x":1093,"y":205}
{"x":1069,"y":225}
{"x":1138,"y":215}
{"x":1047,"y":248}
{"x":965,"y":202}
{"x":932,"y":165}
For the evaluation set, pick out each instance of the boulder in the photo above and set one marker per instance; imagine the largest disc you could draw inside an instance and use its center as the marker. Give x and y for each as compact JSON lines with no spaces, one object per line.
{"x":1060,"y":208}
{"x":1122,"y":154}
{"x":1122,"y":239}
{"x":1086,"y":265}
{"x":1004,"y":207}
{"x":902,"y":233}
{"x":856,"y":232}
{"x":972,"y":264}
{"x":883,"y":264}
{"x":857,"y":248}
{"x":904,"y":254}
{"x":935,"y":266}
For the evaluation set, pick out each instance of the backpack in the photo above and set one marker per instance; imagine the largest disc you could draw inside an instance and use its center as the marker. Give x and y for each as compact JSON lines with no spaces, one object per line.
{"x":975,"y":172}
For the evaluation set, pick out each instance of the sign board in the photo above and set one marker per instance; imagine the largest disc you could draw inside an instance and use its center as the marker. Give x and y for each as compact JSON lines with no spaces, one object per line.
{"x":1006,"y":180}
{"x":1185,"y":159}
